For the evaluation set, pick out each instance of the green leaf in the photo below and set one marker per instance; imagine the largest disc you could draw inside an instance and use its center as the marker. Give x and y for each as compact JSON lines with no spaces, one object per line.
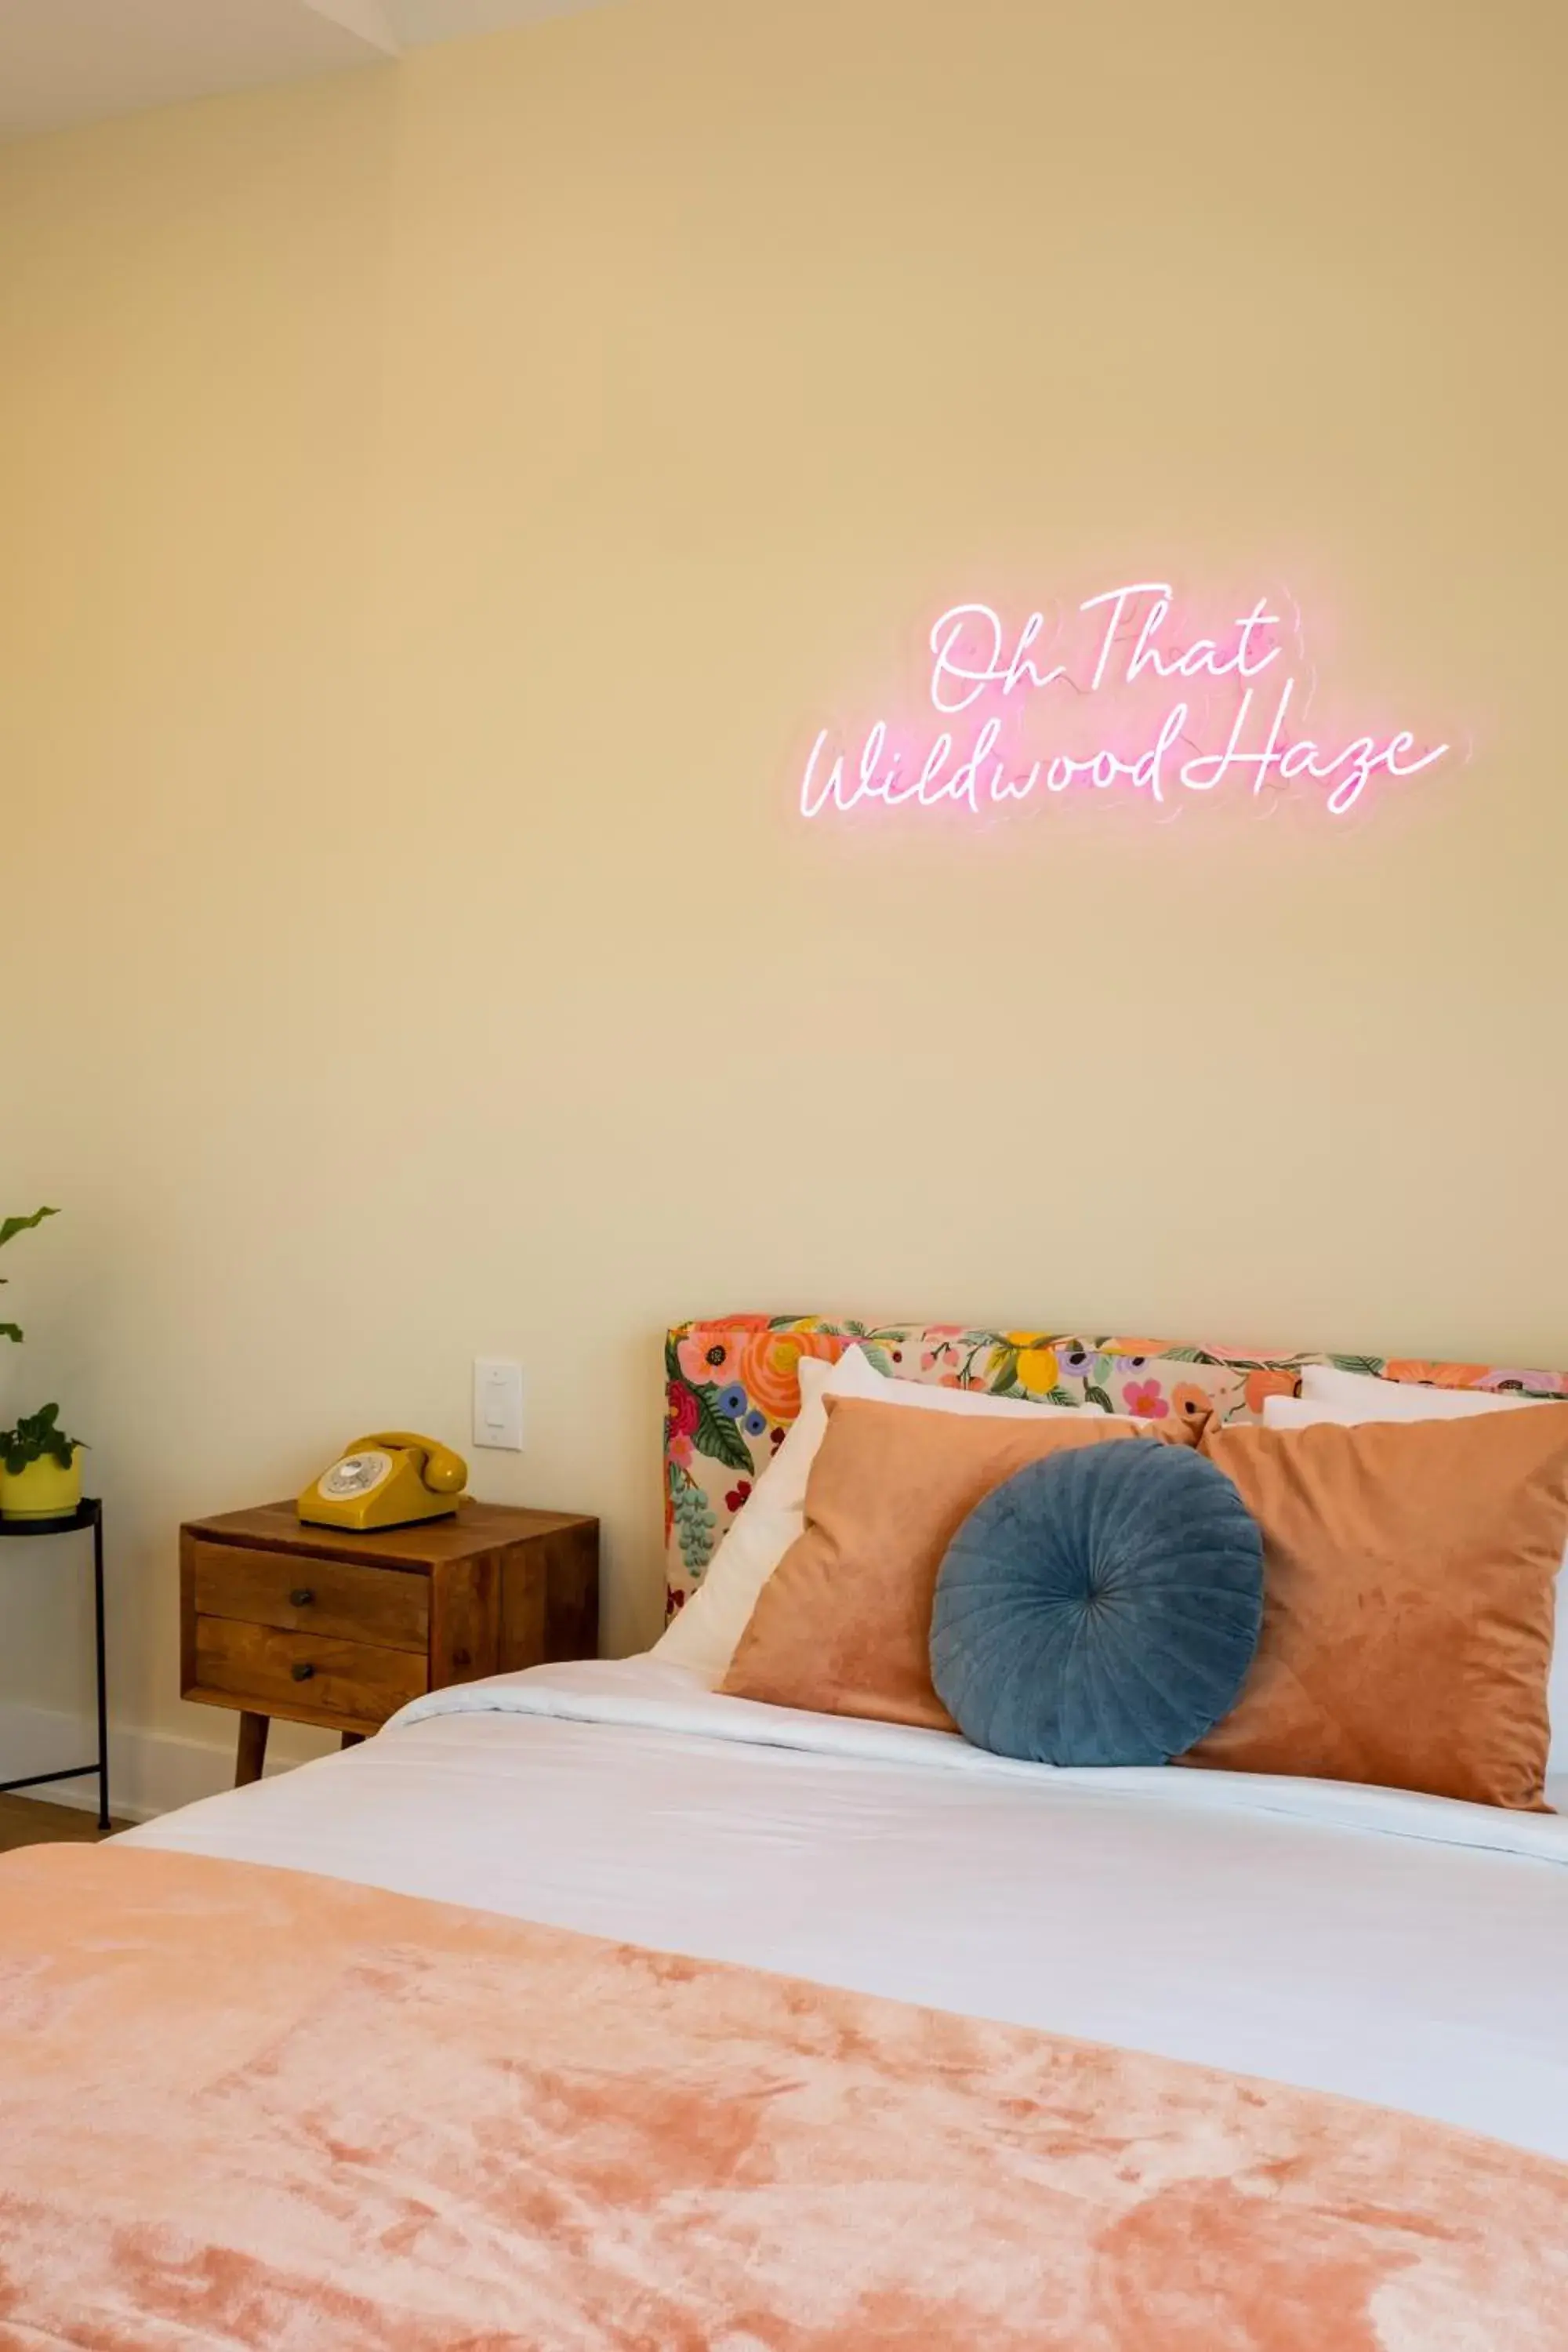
{"x":717,"y":1435}
{"x":1369,"y":1365}
{"x":671,"y":1358}
{"x":11,"y":1227}
{"x":880,"y":1356}
{"x":1001,"y":1379}
{"x":1092,"y":1395}
{"x":10,"y":1330}
{"x":1061,"y":1396}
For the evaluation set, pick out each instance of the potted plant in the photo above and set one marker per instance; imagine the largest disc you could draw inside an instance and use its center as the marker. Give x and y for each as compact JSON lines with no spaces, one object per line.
{"x":40,"y":1466}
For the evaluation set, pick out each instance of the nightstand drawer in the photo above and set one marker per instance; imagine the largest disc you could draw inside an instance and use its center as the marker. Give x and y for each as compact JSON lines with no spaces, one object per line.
{"x":307,"y":1675}
{"x":388,"y":1608}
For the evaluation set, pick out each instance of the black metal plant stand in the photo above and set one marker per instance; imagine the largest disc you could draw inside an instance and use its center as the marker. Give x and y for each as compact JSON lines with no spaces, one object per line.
{"x":86,"y":1515}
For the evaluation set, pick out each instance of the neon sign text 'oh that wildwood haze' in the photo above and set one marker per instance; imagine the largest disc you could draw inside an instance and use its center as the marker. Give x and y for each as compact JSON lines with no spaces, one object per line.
{"x":1118,"y":698}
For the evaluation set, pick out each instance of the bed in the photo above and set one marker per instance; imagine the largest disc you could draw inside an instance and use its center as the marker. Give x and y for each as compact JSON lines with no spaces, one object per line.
{"x":591,"y":2007}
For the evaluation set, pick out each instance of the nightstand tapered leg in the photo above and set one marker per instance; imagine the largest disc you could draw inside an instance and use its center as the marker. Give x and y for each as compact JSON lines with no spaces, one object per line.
{"x":252,"y":1750}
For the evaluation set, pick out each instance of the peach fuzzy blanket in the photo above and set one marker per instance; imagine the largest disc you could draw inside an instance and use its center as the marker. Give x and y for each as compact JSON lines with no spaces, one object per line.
{"x":243,"y":2108}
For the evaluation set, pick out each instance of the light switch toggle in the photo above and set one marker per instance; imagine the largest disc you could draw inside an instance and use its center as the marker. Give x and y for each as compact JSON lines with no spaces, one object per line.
{"x":498,"y":1405}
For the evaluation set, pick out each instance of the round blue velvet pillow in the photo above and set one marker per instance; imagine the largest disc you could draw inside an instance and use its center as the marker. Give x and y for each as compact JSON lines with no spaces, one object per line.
{"x":1101,"y":1607}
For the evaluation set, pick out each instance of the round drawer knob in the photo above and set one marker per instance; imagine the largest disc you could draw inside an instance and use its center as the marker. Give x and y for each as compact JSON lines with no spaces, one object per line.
{"x":302,"y":1674}
{"x":302,"y":1598}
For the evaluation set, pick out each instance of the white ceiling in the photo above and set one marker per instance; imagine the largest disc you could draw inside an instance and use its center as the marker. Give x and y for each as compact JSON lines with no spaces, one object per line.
{"x":64,"y":61}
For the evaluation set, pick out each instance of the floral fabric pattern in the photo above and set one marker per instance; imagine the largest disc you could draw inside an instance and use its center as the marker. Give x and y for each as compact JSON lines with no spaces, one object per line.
{"x":733,"y":1389}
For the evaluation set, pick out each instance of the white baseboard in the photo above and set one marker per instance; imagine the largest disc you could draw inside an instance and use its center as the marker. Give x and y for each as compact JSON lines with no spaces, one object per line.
{"x":149,"y":1771}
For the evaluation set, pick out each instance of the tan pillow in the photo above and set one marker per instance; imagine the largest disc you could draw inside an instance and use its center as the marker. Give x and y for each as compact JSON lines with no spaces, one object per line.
{"x":842,"y":1625}
{"x":1409,"y":1575}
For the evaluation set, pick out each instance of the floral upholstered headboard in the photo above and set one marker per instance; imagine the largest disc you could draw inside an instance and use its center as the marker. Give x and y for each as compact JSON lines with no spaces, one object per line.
{"x":732,"y":1389}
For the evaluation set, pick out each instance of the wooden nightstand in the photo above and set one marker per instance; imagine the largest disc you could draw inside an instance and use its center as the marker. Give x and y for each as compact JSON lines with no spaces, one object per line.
{"x":319,"y":1626}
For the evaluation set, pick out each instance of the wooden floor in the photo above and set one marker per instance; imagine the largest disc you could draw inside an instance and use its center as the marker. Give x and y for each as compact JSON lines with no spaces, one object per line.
{"x":24,"y":1821}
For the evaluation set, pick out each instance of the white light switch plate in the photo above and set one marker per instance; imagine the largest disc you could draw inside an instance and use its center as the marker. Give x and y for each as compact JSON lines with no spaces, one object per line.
{"x":498,"y":1405}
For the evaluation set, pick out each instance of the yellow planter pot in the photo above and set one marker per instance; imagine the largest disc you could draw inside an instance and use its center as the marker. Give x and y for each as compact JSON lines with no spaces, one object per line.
{"x":42,"y":1491}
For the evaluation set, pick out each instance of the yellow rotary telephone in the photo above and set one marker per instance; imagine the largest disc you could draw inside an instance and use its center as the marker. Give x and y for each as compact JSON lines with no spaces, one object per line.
{"x":387,"y":1480}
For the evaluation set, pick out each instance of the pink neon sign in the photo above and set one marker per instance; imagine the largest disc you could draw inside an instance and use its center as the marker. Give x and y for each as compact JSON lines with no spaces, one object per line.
{"x":1128,"y":699}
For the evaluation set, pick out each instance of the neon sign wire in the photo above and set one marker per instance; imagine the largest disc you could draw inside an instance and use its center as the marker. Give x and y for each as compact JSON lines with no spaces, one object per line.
{"x":985,"y":683}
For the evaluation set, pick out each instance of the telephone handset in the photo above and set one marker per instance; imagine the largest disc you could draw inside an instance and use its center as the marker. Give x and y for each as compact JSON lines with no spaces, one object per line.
{"x":386,"y":1480}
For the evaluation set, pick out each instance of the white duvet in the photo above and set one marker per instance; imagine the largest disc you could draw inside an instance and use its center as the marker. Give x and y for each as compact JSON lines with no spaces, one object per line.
{"x":1395,"y":1948}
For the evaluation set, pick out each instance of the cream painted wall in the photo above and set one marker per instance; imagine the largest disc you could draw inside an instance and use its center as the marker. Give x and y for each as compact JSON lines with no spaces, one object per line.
{"x":438,"y":503}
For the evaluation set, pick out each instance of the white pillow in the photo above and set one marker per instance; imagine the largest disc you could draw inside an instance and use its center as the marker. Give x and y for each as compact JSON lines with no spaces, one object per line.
{"x":1350,"y":1397}
{"x":707,"y":1634}
{"x":1375,"y":1400}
